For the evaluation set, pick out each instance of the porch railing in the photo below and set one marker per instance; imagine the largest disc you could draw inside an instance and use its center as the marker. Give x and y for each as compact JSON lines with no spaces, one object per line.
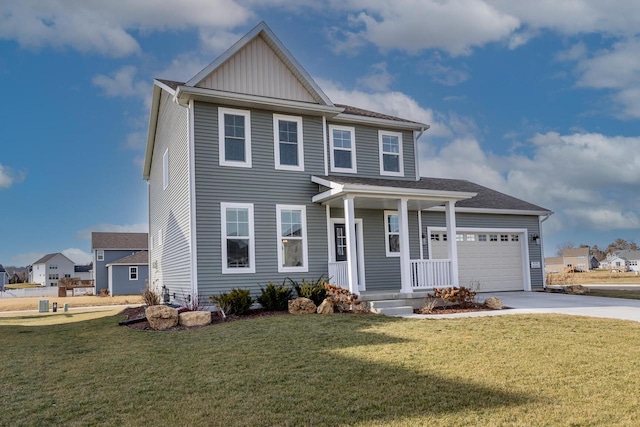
{"x":430,"y":273}
{"x":338,"y":274}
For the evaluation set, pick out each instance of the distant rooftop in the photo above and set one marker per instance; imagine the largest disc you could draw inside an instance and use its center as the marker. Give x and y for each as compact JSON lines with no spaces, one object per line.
{"x":105,"y":240}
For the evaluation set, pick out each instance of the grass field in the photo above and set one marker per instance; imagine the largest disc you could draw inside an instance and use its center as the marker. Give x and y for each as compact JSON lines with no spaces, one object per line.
{"x":596,"y":277}
{"x":324,"y":370}
{"x":31,"y":303}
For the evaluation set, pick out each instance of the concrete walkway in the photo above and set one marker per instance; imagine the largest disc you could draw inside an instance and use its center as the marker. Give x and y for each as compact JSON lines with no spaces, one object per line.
{"x":551,"y":303}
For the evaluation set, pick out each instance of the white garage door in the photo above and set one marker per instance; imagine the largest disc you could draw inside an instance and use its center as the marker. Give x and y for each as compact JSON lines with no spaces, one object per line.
{"x":487,"y":261}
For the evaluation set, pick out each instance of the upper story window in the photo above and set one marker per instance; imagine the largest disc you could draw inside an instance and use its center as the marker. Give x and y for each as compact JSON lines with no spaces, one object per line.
{"x":391,"y":153}
{"x":234,"y":134}
{"x":287,"y":139}
{"x":392,"y":233}
{"x":238,"y":241}
{"x":165,"y":169}
{"x":343,"y":149}
{"x":100,"y":255}
{"x":292,"y":238}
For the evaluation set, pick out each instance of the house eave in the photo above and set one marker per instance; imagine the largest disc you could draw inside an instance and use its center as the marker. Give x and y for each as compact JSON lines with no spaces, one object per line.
{"x":158,"y":87}
{"x":460,"y":209}
{"x":376,"y":121}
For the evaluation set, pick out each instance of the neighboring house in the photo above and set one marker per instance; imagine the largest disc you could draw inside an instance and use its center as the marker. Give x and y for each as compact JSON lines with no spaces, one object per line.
{"x":83,"y":272}
{"x":4,"y":277}
{"x":255,"y":175}
{"x":50,"y":268}
{"x":577,"y":258}
{"x":554,"y":265}
{"x":109,"y":250}
{"x":625,"y":259}
{"x":128,"y":275}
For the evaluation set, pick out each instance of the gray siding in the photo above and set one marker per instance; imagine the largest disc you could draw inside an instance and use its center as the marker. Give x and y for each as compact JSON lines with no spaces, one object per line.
{"x":368,"y":153}
{"x":169,"y":208}
{"x":100,"y":271}
{"x":262,"y":185}
{"x":121,"y":284}
{"x":473,"y":220}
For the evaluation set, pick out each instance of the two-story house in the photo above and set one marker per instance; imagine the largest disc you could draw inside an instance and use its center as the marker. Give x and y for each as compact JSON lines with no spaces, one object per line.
{"x":120,"y":262}
{"x":255,"y":175}
{"x":50,"y":268}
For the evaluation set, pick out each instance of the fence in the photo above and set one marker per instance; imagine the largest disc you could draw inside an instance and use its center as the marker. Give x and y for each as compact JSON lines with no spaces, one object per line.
{"x":51,"y":291}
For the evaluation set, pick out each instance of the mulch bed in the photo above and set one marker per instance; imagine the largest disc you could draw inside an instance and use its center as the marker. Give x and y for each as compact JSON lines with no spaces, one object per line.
{"x":455,"y":309}
{"x":137,"y":313}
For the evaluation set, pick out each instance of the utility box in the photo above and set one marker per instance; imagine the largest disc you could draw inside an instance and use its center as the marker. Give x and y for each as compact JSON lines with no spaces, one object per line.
{"x":43,"y":306}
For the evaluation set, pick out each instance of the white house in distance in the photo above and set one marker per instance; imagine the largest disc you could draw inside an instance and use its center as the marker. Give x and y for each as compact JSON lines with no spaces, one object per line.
{"x":50,"y":268}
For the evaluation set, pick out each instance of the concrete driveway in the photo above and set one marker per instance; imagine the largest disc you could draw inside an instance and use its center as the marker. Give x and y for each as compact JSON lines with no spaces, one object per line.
{"x":542,"y":302}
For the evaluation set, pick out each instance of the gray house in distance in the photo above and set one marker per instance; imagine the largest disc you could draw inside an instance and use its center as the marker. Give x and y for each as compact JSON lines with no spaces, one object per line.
{"x":120,"y":262}
{"x":4,"y":277}
{"x":255,"y":175}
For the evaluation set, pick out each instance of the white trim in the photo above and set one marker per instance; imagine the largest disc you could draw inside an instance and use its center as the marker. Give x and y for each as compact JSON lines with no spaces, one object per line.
{"x":165,"y":169}
{"x":362,"y":285}
{"x":381,"y":153}
{"x":492,"y":211}
{"x":325,"y":145}
{"x":223,"y":238}
{"x":387,"y":233}
{"x":352,"y":150}
{"x":131,"y":267}
{"x":405,"y":250}
{"x":376,"y":121}
{"x":327,"y":210}
{"x":420,"y":234}
{"x":276,"y":142}
{"x":193,"y":242}
{"x":247,"y":137}
{"x":305,"y":255}
{"x":110,"y":280}
{"x":99,"y":255}
{"x":524,"y":245}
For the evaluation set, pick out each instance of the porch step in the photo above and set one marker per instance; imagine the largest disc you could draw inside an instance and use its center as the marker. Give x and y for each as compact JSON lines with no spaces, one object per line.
{"x":394,"y":311}
{"x":387,"y":303}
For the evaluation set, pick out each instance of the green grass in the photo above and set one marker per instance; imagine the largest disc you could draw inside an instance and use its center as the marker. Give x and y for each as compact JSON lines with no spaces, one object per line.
{"x":325,"y":370}
{"x":615,"y":293}
{"x":22,"y":285}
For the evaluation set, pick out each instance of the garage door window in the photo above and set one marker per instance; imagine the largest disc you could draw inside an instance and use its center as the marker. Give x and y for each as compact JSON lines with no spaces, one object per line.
{"x":515,"y":238}
{"x":504,"y":238}
{"x":493,"y":237}
{"x":471,"y":237}
{"x":459,"y":238}
{"x":482,"y":237}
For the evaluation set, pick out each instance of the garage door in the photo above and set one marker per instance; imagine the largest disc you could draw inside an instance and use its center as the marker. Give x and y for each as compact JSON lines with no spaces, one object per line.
{"x":486,"y":261}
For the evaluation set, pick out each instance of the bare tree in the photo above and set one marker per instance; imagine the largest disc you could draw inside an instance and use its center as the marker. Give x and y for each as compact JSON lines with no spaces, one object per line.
{"x":564,"y":245}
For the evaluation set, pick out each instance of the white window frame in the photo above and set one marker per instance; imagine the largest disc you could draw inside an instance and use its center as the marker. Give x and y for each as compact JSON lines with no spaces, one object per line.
{"x":276,"y":142}
{"x":304,"y":268}
{"x":100,"y":255}
{"x":354,"y":164}
{"x":133,"y":269}
{"x":247,"y":137}
{"x":165,"y":169}
{"x":387,"y":233}
{"x":160,"y":237}
{"x":398,"y":135}
{"x":251,"y":238}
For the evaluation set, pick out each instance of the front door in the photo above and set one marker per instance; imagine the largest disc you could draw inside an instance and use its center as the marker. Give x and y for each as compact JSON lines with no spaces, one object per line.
{"x":340,"y":248}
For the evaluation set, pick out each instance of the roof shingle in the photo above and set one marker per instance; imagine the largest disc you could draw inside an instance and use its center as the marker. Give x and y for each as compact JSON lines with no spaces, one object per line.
{"x":106,"y":240}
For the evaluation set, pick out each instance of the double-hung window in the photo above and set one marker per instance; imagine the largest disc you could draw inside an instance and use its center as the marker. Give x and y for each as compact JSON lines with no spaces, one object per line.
{"x":238,"y":242}
{"x":234,"y":134}
{"x":392,"y":233}
{"x":292,"y":238}
{"x":287,"y":139}
{"x":133,"y":273}
{"x":390,"y":153}
{"x":343,"y":149}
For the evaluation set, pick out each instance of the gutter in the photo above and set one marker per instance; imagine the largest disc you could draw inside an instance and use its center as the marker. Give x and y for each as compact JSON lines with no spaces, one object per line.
{"x":416,"y":153}
{"x":541,"y":219}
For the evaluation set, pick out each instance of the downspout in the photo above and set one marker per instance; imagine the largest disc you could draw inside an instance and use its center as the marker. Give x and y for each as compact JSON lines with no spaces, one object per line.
{"x":416,"y":153}
{"x":542,"y":219}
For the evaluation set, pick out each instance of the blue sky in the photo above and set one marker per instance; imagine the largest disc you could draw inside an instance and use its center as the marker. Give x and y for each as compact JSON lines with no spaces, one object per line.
{"x":536,"y":99}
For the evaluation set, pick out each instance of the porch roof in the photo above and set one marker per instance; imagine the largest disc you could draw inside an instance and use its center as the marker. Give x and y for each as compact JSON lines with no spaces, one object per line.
{"x":373,"y":193}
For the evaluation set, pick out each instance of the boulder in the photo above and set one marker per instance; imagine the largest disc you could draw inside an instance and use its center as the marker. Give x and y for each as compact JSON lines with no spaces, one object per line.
{"x":326,"y":307}
{"x":301,"y":306}
{"x":494,"y":303}
{"x":161,"y":317}
{"x":194,"y":318}
{"x":576,"y":289}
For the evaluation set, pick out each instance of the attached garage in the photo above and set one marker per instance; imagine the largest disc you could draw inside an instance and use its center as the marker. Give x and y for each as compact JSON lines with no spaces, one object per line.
{"x":489,"y":260}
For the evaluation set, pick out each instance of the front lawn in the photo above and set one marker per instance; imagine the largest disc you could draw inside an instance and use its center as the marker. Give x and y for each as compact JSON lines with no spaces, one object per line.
{"x":324,"y":370}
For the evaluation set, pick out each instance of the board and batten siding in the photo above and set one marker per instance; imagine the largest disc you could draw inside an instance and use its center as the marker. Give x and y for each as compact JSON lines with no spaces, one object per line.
{"x":368,"y":152}
{"x":170,"y":263}
{"x":478,"y":220}
{"x":257,"y":70}
{"x":265,"y":187}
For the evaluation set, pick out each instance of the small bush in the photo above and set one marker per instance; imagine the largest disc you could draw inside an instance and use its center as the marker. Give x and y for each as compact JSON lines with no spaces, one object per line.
{"x":150,"y":297}
{"x":237,"y":301}
{"x":315,"y":291}
{"x":104,"y":292}
{"x":275,"y":297}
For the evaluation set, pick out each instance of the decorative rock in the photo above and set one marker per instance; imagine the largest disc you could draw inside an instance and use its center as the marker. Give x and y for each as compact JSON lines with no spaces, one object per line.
{"x":301,"y":306}
{"x":194,"y":318}
{"x":360,"y":307}
{"x":326,"y":307}
{"x":161,"y":317}
{"x":494,"y":303}
{"x":576,"y":289}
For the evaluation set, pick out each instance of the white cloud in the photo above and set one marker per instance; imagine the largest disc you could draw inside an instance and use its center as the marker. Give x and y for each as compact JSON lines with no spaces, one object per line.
{"x":78,"y":255}
{"x":378,"y":79}
{"x":185,"y":66}
{"x":441,"y":73}
{"x":105,"y":27}
{"x":136,"y":141}
{"x":85,"y":234}
{"x":123,"y":83}
{"x":8,"y":177}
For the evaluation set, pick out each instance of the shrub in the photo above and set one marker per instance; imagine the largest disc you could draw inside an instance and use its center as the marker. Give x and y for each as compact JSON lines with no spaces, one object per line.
{"x":150,"y":297}
{"x":457,"y":296}
{"x":315,"y":291}
{"x":275,"y":297}
{"x":104,"y":292}
{"x":237,"y":301}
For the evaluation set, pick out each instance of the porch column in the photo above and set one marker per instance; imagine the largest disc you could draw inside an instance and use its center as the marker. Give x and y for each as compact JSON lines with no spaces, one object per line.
{"x":405,"y":257}
{"x":452,"y":246}
{"x":350,"y":225}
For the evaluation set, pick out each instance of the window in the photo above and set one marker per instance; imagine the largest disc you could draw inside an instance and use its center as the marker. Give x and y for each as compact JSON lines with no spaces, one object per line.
{"x":435,"y":237}
{"x":515,"y":238}
{"x":444,"y":237}
{"x":133,"y":273}
{"x":482,"y":237}
{"x":160,"y":241}
{"x":100,"y":255}
{"x":459,"y":238}
{"x":287,"y":139}
{"x":67,"y":276}
{"x":165,"y":169}
{"x":392,"y":233}
{"x":504,"y":238}
{"x":471,"y":237}
{"x":238,"y":246}
{"x":292,"y":238}
{"x":493,"y":237}
{"x":581,"y":257}
{"x":53,"y":267}
{"x":390,"y":153}
{"x":343,"y":149}
{"x":234,"y":135}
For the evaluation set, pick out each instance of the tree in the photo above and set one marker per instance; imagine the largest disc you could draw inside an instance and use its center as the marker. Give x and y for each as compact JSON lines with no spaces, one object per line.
{"x":564,"y":245}
{"x":598,"y":253}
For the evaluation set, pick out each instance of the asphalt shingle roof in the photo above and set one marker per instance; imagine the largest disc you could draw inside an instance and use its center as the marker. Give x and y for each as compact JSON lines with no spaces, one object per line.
{"x":105,"y":240}
{"x":46,"y":258}
{"x":141,"y":257}
{"x":82,"y":268}
{"x":573,"y":252}
{"x":367,"y":113}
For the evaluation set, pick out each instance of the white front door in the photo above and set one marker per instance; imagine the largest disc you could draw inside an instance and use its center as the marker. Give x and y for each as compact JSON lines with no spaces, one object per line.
{"x":339,"y":248}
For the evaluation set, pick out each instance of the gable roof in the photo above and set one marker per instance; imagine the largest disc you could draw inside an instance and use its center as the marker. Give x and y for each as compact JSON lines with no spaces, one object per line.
{"x":629,"y":255}
{"x":556,"y":260}
{"x":2,"y":270}
{"x":575,"y":252}
{"x":139,"y":258}
{"x":107,"y":240}
{"x":48,"y":257}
